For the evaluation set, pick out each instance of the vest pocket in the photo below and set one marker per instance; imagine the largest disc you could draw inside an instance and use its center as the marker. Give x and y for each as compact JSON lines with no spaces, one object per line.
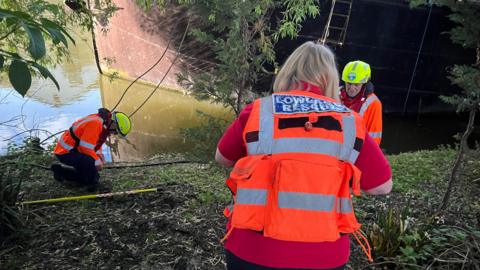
{"x":303,"y":202}
{"x":251,"y":197}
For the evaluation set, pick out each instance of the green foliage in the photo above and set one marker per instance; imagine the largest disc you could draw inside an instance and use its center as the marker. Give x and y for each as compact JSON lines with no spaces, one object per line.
{"x":402,"y":237}
{"x":410,"y":169}
{"x":242,"y":37}
{"x":13,"y":171}
{"x":296,"y":11}
{"x":468,"y":78}
{"x":205,"y":137}
{"x":451,"y":247}
{"x":34,"y":36}
{"x":393,"y":235}
{"x":148,"y":4}
{"x":10,"y":182}
{"x":19,"y":76}
{"x":16,"y":24}
{"x":403,"y":242}
{"x":466,"y":32}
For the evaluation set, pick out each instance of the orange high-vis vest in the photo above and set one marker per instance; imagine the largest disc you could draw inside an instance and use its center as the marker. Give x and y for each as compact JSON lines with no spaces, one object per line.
{"x":371,"y":111}
{"x":294,"y":184}
{"x":88,"y":131}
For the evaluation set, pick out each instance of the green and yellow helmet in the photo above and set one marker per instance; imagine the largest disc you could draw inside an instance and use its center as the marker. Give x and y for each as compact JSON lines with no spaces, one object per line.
{"x":356,"y":72}
{"x":124,"y":125}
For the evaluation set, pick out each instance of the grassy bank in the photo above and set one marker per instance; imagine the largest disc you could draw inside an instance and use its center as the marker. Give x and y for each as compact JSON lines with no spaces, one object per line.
{"x":179,"y":226}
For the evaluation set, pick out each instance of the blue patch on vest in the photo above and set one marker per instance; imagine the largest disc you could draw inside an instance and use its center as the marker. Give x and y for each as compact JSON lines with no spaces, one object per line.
{"x":290,"y":104}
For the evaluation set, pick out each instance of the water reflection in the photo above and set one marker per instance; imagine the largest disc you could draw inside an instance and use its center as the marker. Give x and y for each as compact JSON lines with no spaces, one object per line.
{"x":156,"y":126}
{"x":44,"y":109}
{"x":76,"y":77}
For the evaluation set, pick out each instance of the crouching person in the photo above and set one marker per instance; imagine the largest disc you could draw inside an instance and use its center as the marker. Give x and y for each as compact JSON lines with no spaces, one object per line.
{"x":80,"y":147}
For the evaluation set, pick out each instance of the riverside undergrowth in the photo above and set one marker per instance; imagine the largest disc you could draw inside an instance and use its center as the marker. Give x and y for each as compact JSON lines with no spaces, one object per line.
{"x":179,"y":227}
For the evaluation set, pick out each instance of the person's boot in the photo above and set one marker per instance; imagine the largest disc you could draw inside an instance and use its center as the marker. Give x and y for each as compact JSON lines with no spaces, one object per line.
{"x":56,"y":169}
{"x":99,"y":188}
{"x":92,"y":188}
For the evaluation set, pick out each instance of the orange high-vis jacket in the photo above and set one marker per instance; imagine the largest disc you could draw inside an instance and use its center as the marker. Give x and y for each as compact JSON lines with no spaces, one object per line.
{"x":294,"y":184}
{"x":88,"y":130}
{"x":371,"y":111}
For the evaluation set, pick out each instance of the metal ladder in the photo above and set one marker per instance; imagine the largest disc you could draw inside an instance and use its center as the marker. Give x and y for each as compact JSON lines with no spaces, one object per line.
{"x":336,"y":28}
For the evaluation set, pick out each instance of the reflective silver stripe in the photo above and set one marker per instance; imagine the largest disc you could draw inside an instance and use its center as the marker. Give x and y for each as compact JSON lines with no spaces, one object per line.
{"x":375,"y":134}
{"x":354,"y":66}
{"x":86,"y":120}
{"x":298,"y":145}
{"x":344,"y":205}
{"x":367,"y":103}
{"x":267,"y":145}
{"x":87,"y":145}
{"x":98,"y":162}
{"x":265,"y":132}
{"x":306,"y":201}
{"x":349,"y":134}
{"x":64,"y":144}
{"x":251,"y":196}
{"x":353,"y":156}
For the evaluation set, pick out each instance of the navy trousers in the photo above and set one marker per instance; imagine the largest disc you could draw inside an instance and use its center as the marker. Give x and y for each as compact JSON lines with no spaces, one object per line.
{"x":85,"y":172}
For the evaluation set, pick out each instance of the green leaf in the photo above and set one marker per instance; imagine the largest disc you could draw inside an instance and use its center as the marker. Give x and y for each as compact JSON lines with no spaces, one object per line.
{"x":2,"y":60}
{"x":11,"y":21}
{"x":57,"y":36}
{"x":36,"y":46}
{"x":6,"y":13}
{"x":56,"y":32}
{"x":20,"y":77}
{"x":46,"y":74}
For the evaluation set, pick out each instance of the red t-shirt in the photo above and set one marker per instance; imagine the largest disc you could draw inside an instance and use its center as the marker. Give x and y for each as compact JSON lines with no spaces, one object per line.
{"x":253,"y":247}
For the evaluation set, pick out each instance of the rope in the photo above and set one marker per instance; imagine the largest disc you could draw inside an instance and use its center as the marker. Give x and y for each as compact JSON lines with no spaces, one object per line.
{"x":153,"y":164}
{"x":166,"y":73}
{"x":25,"y":163}
{"x":148,"y":70}
{"x":91,"y":196}
{"x":134,"y":165}
{"x":418,"y":57}
{"x":53,"y":135}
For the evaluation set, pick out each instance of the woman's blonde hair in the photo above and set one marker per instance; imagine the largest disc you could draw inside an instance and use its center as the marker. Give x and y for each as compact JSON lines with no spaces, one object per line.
{"x":313,"y":63}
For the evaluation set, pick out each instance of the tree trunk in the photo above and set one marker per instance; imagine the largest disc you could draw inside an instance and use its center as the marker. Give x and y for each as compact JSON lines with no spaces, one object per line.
{"x":94,"y":41}
{"x":460,"y":158}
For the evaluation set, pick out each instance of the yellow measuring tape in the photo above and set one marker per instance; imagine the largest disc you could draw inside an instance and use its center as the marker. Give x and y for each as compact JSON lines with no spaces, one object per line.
{"x":91,"y":196}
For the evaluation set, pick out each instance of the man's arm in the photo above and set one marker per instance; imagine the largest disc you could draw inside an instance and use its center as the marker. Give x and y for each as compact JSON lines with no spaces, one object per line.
{"x":373,"y":121}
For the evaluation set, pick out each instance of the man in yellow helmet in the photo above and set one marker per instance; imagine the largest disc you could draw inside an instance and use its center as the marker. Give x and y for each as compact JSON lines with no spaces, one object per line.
{"x":357,"y":94}
{"x":81,"y":146}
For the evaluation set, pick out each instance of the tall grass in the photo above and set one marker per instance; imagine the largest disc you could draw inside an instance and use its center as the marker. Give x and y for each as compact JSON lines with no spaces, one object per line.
{"x":10,"y":184}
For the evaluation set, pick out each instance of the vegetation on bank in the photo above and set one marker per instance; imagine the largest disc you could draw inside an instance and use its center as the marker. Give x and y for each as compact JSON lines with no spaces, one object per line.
{"x":179,"y":226}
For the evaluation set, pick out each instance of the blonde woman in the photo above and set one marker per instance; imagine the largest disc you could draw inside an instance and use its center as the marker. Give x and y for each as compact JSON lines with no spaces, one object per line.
{"x":295,"y":155}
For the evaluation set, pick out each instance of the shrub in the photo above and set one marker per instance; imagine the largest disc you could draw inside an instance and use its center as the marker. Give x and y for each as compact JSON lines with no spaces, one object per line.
{"x":399,"y":242}
{"x":394,"y":234}
{"x":9,"y":212}
{"x":204,"y":137}
{"x":16,"y":167}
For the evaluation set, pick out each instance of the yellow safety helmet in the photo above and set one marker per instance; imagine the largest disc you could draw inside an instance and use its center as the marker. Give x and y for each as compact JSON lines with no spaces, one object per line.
{"x":124,"y":125}
{"x":356,"y":72}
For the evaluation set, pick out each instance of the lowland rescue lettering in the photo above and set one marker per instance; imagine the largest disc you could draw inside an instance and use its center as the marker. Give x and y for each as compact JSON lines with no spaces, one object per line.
{"x":290,"y":104}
